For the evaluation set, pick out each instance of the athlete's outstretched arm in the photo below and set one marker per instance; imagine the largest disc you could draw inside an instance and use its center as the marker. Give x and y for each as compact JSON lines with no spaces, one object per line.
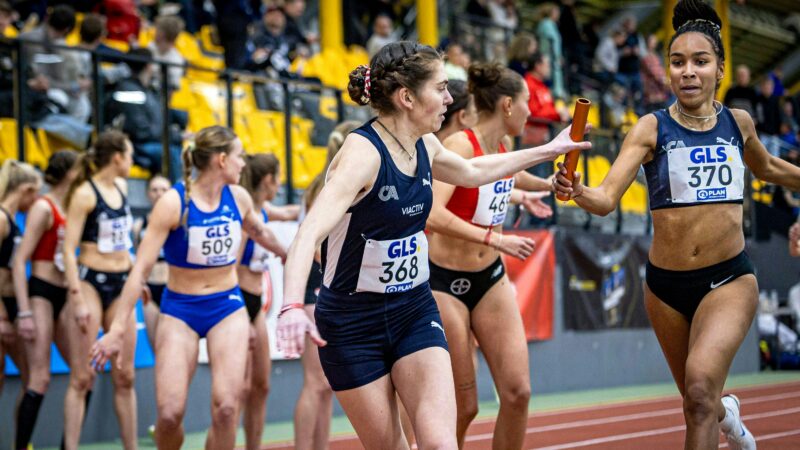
{"x":447,"y":166}
{"x":764,"y":166}
{"x":352,"y":172}
{"x":603,"y":199}
{"x":164,"y":217}
{"x":282,"y":213}
{"x":253,"y":224}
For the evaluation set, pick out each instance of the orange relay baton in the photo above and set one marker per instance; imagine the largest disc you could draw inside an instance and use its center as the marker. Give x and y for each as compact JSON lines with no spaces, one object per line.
{"x":579,"y":117}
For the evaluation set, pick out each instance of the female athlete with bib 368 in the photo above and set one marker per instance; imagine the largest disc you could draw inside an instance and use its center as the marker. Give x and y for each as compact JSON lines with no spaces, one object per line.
{"x":700,"y":291}
{"x":199,"y":223}
{"x":467,"y":275}
{"x":99,"y":222}
{"x":375,"y":308}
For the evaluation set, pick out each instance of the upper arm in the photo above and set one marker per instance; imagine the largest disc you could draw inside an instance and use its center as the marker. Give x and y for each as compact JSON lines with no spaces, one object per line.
{"x":639,"y":142}
{"x":164,"y":217}
{"x":459,"y":144}
{"x":245,"y":204}
{"x":36,"y":223}
{"x":356,"y":169}
{"x":448,"y":164}
{"x":756,"y":155}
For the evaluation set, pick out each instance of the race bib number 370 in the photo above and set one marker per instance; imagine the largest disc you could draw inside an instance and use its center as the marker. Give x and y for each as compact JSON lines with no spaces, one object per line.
{"x":214,"y":245}
{"x":711,"y":173}
{"x":391,"y":266}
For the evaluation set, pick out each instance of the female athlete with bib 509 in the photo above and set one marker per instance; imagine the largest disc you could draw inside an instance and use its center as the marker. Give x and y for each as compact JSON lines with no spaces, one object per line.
{"x":375,"y":307}
{"x":468,"y":278}
{"x":199,"y":224}
{"x":99,"y":221}
{"x":701,"y":294}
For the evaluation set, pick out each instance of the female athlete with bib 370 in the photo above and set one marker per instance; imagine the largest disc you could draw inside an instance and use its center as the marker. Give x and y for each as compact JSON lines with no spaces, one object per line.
{"x":199,"y":224}
{"x":375,"y":308}
{"x":701,"y":294}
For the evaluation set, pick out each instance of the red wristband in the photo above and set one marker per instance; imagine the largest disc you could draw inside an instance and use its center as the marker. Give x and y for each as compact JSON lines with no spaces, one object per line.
{"x":290,"y":306}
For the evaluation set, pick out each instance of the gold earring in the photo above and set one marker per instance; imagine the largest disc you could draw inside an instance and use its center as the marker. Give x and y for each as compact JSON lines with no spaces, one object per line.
{"x":508,"y":114}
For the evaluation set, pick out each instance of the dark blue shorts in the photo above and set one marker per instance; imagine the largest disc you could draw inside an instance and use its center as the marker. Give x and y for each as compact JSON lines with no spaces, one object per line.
{"x":201,"y":312}
{"x":368,"y":333}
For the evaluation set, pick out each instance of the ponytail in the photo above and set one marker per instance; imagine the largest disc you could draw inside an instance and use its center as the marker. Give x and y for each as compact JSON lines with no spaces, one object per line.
{"x":188,"y":162}
{"x":86,"y":168}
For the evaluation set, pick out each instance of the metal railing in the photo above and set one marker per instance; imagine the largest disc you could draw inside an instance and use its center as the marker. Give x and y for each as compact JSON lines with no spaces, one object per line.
{"x":289,"y":87}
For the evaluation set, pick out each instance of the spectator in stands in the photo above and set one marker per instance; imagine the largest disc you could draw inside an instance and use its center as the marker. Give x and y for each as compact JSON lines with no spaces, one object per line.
{"x":503,"y":13}
{"x":457,"y":62}
{"x":272,"y":48}
{"x":550,"y":46}
{"x":541,"y":102}
{"x":6,"y":19}
{"x":788,"y":116}
{"x":382,"y":31}
{"x":478,"y":12}
{"x":123,"y":22}
{"x":92,"y":32}
{"x":520,"y":50}
{"x":768,"y":116}
{"x":742,"y":95}
{"x":654,"y":77}
{"x":606,"y":56}
{"x":614,"y":106}
{"x":139,"y":109}
{"x":630,"y":54}
{"x":232,"y":19}
{"x":168,"y":28}
{"x":296,"y":30}
{"x":574,"y":44}
{"x":6,"y":64}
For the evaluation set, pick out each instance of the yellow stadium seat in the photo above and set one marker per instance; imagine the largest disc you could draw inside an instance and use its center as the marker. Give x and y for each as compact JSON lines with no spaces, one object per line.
{"x":146,"y":36}
{"x":121,"y":46}
{"x":207,"y":40}
{"x":8,"y":139}
{"x":634,"y":200}
{"x":74,"y":36}
{"x":139,"y":172}
{"x":10,"y":32}
{"x":35,"y":154}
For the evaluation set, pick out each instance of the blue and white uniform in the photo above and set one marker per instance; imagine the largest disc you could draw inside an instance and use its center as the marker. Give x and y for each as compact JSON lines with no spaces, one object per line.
{"x":695,"y":168}
{"x":375,"y":304}
{"x":255,"y":259}
{"x":208,"y":240}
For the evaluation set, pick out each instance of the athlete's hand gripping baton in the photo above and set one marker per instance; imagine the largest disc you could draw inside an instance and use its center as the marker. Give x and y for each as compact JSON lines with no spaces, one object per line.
{"x":579,"y":117}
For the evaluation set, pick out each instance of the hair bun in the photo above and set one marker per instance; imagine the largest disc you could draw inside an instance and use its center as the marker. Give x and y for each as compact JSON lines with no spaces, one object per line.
{"x":483,"y":75}
{"x":694,"y":10}
{"x":357,"y":85}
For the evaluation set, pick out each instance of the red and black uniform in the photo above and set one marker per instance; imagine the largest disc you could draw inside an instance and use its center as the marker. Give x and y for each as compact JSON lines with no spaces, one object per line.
{"x":50,"y":248}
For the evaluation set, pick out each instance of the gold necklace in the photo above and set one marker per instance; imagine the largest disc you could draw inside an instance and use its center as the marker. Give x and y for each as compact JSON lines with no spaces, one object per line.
{"x":410,"y":156}
{"x":702,"y":119}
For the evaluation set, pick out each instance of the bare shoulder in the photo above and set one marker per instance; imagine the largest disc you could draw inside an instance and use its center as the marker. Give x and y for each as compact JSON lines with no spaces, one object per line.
{"x":122,"y":183}
{"x":645,"y":132}
{"x":83,"y":197}
{"x":242,"y":197}
{"x":744,"y":121}
{"x":167,"y":210}
{"x":358,"y":157}
{"x":460,"y":144}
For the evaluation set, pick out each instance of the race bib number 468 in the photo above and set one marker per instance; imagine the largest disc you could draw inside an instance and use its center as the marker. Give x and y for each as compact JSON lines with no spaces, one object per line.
{"x":493,"y":201}
{"x":706,"y":174}
{"x":392,"y":266}
{"x":214,"y":245}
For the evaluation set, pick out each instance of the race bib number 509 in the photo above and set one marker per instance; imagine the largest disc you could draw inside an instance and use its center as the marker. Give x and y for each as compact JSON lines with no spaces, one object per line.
{"x":706,"y":174}
{"x":392,"y":266}
{"x":215,"y":245}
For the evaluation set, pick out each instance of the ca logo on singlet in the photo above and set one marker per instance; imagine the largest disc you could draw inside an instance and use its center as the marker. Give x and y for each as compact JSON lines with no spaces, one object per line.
{"x":672,"y":145}
{"x":387,"y":193}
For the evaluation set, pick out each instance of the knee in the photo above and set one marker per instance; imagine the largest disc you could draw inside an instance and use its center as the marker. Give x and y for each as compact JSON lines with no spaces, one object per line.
{"x":82,"y":381}
{"x":439,"y":443}
{"x":123,"y":379}
{"x":170,"y":417}
{"x":467,"y":410}
{"x":699,"y":401}
{"x":223,"y":410}
{"x":39,"y":381}
{"x":259,"y":388}
{"x":517,"y":395}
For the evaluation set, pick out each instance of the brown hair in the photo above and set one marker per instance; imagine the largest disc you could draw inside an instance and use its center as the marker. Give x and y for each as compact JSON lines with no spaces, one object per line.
{"x":14,"y":174}
{"x":59,"y":164}
{"x":519,"y":46}
{"x":208,"y":142}
{"x":335,"y":142}
{"x":170,"y":26}
{"x":256,"y":168}
{"x":92,"y":28}
{"x":489,"y":82}
{"x":399,"y":64}
{"x":108,"y":144}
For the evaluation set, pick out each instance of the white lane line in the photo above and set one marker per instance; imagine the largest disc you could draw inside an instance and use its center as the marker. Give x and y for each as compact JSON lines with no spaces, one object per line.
{"x":768,"y":437}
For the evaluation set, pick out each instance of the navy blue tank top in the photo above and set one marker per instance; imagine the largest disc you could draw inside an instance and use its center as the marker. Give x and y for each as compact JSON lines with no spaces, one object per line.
{"x":10,"y":242}
{"x":208,"y":239}
{"x":380,"y":245}
{"x":108,"y":227}
{"x":696,"y":167}
{"x":254,"y":254}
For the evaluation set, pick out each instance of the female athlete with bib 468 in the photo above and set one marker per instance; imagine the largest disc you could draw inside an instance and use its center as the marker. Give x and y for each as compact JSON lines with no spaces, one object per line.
{"x":375,"y":308}
{"x":199,"y":222}
{"x":701,"y":294}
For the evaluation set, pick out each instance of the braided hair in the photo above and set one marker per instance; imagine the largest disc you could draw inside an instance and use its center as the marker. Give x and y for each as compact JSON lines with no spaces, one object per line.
{"x":699,"y":17}
{"x":399,"y":64}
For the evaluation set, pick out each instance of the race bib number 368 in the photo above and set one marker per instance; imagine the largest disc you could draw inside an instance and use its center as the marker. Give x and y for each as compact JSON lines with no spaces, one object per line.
{"x":214,"y":245}
{"x":392,"y":266}
{"x":706,"y":174}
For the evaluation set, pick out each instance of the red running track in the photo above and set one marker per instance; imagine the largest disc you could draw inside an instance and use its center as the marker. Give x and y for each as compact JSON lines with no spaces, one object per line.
{"x":772,"y":413}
